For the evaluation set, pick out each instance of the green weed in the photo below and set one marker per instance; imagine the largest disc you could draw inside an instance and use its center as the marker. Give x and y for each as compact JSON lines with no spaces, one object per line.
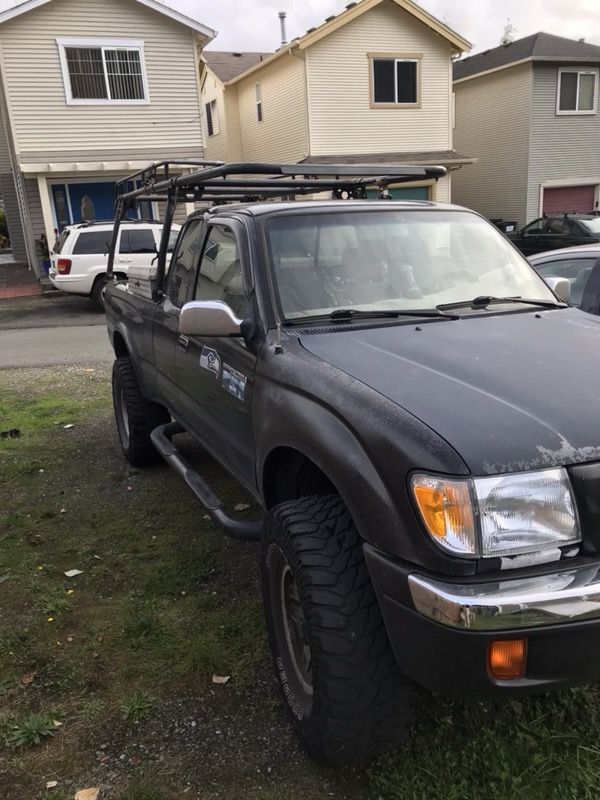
{"x":31,"y":730}
{"x":137,"y":707}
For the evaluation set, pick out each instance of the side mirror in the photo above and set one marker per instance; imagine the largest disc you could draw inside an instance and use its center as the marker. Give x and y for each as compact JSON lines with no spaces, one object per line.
{"x":209,"y":318}
{"x":561,"y":287}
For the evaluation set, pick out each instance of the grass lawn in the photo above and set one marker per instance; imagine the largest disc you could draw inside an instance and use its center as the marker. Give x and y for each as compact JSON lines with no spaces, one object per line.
{"x":106,"y":678}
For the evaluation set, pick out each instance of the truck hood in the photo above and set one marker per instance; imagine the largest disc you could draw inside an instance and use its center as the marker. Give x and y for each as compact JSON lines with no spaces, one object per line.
{"x":508,"y":391}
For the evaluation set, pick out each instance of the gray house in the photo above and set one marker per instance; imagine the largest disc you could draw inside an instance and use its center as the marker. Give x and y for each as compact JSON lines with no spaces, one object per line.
{"x":528,"y":111}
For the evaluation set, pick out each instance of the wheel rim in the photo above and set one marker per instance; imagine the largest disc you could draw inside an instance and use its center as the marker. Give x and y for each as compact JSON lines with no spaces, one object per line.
{"x":294,"y":627}
{"x":123,"y":418}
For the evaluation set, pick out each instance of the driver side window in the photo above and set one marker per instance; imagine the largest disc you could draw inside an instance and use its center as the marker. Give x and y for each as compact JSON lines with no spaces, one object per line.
{"x":184,"y":261}
{"x":220,"y":273}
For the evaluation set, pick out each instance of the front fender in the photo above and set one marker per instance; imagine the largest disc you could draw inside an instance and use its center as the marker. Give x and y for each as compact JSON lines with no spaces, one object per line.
{"x":365,"y":444}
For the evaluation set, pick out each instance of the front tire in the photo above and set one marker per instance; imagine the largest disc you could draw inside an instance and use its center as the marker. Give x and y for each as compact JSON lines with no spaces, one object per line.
{"x":343,"y":690}
{"x":136,"y":416}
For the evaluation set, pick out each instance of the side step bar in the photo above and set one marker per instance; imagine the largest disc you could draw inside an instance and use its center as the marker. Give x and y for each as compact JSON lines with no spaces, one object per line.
{"x":161,"y":439}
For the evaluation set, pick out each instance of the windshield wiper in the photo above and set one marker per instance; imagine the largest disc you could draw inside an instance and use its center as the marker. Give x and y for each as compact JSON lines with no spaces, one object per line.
{"x":351,"y":314}
{"x":483,"y":301}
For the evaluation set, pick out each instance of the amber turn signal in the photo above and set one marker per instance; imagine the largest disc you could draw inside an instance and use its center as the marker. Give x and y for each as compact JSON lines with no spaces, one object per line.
{"x":507,"y":658}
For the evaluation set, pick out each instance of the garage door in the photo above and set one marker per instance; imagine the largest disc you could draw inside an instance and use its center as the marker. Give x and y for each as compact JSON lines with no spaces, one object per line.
{"x":563,"y":199}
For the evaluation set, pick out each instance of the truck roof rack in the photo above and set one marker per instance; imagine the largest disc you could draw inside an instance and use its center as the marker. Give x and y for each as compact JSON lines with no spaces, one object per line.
{"x":251,"y":181}
{"x":214,"y":182}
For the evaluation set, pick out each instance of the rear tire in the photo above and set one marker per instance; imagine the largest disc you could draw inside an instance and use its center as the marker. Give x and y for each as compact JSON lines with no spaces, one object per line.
{"x":136,"y":416}
{"x":343,"y":690}
{"x":97,"y":294}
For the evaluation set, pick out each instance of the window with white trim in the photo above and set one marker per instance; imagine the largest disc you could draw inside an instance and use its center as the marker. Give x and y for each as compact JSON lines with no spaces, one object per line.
{"x":212,"y":117}
{"x":103,"y":72}
{"x":577,"y":91}
{"x":395,"y":81}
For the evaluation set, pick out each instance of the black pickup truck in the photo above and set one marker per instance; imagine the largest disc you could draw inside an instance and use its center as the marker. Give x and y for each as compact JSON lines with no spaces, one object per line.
{"x":415,"y":410}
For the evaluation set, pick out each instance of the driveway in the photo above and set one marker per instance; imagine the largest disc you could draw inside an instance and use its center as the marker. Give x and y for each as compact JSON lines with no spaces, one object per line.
{"x":52,"y":330}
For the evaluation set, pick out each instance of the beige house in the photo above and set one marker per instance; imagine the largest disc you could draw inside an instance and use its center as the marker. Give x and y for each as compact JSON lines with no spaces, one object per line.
{"x":373,"y":84}
{"x":90,"y":92}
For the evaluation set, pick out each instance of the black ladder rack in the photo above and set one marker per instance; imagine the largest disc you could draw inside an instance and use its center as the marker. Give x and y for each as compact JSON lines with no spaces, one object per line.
{"x":216,"y":183}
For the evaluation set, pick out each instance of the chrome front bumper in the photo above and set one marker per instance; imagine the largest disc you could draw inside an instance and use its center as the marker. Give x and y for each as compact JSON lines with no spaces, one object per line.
{"x":569,"y":596}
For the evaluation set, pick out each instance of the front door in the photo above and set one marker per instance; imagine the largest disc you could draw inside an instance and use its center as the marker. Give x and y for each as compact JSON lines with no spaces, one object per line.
{"x":92,"y":202}
{"x":217,"y":374}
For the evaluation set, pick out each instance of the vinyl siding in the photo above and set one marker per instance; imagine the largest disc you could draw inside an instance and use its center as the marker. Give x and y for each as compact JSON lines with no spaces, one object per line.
{"x":442,"y":190}
{"x":13,"y":217}
{"x":492,"y":124}
{"x":124,"y":154}
{"x":5,"y":161}
{"x":35,"y":207}
{"x":563,"y":147}
{"x":232,"y":121}
{"x":216,"y":147}
{"x":225,"y":145}
{"x":42,"y":120}
{"x":339,"y":87}
{"x":283,"y":133}
{"x":35,"y":211}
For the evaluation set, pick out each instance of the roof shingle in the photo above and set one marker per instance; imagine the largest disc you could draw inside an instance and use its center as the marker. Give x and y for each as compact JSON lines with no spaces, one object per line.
{"x":228,"y":66}
{"x":431,"y":157}
{"x":537,"y":47}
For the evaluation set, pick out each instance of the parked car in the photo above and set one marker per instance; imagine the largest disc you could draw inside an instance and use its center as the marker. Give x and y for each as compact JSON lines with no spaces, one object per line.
{"x":548,"y":233}
{"x":393,"y":384}
{"x":581,"y":267}
{"x":79,"y":258}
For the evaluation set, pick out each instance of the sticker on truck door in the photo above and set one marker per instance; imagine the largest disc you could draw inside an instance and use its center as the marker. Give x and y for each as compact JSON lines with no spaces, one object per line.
{"x":234,"y":382}
{"x":210,"y":360}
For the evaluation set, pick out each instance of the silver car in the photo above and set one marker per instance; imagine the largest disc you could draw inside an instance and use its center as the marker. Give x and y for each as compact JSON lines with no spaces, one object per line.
{"x":581,"y":267}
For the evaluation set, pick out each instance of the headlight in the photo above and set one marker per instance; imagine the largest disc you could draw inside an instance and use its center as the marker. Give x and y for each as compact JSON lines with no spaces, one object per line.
{"x":499,"y":516}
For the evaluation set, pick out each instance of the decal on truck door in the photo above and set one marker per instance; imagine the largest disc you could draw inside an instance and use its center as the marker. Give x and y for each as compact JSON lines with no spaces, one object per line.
{"x":234,"y":382}
{"x":209,"y":359}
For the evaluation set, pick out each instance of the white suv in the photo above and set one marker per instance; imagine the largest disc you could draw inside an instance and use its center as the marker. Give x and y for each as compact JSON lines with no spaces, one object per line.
{"x":79,"y":259}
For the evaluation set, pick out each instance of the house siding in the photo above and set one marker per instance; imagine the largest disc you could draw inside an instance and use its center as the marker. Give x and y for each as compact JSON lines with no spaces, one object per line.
{"x":339,"y":87}
{"x":216,"y":147}
{"x":42,"y":121}
{"x":442,"y":189}
{"x":35,"y":208}
{"x":283,"y":133}
{"x":492,"y":124}
{"x":13,"y":217}
{"x":563,"y":147}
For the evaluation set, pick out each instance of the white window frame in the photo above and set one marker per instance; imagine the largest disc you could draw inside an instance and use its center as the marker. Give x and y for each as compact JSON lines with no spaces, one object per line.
{"x":103,"y":45}
{"x":579,"y":71}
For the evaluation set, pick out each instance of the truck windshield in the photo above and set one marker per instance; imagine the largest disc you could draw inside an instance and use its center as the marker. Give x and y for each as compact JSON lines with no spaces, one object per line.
{"x":396,"y":259}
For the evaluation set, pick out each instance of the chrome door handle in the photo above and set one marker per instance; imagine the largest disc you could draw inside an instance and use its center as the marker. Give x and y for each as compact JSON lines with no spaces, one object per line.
{"x":183,"y":342}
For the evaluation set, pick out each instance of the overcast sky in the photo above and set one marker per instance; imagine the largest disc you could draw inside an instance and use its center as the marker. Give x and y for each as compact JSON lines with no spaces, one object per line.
{"x":254,"y":25}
